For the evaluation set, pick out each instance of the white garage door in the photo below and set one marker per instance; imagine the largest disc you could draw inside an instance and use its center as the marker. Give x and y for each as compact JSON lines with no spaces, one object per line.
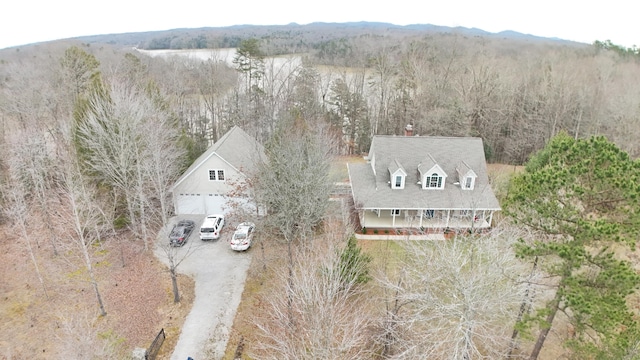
{"x":189,"y":204}
{"x":199,"y":204}
{"x":214,"y":204}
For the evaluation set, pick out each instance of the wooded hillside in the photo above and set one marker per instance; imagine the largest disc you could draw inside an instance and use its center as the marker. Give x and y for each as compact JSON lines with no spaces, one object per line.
{"x":96,"y":133}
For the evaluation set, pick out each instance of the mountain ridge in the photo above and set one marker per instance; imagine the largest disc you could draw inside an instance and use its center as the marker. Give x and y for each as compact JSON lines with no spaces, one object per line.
{"x":229,"y":36}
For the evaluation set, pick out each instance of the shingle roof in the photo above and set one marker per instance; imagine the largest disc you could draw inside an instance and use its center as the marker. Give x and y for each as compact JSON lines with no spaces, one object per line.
{"x":395,"y":166}
{"x":235,"y":147}
{"x":374,"y":191}
{"x":464,"y":169}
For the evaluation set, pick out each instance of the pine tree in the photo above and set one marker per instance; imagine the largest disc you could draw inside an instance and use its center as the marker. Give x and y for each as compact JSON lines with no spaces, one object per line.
{"x":582,"y":197}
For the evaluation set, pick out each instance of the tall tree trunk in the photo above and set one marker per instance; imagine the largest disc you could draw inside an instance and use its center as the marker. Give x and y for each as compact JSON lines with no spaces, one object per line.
{"x":545,"y":331}
{"x":103,"y":312}
{"x":52,"y":234}
{"x":523,"y":309}
{"x":174,"y":283}
{"x":25,"y":236}
{"x":290,"y":289}
{"x":92,"y":279}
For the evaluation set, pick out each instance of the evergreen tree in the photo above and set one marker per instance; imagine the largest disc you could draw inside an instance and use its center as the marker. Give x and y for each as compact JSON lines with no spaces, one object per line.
{"x":353,"y":266}
{"x":582,"y":197}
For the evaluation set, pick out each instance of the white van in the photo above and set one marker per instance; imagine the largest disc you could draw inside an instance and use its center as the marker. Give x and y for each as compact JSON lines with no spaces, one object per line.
{"x":211,"y":227}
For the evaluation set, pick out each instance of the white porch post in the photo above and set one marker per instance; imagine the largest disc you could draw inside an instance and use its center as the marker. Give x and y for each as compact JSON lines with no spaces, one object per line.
{"x":473,"y":219}
{"x":448,"y":215}
{"x":421,"y":214}
{"x":490,"y":217}
{"x":393,"y":218}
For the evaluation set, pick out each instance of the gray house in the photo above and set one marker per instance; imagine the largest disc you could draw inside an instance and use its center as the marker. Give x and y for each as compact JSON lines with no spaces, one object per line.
{"x":423,"y":182}
{"x":215,"y":182}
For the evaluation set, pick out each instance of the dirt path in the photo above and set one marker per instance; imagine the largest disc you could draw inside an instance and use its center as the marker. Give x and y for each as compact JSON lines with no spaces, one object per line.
{"x":219,"y":274}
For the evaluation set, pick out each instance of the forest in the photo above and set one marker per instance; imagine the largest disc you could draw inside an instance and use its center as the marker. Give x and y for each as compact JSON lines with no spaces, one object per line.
{"x":94,"y":135}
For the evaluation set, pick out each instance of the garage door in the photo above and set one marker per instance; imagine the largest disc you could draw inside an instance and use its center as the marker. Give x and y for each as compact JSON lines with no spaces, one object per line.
{"x":214,"y":204}
{"x":199,"y":204}
{"x":189,"y":204}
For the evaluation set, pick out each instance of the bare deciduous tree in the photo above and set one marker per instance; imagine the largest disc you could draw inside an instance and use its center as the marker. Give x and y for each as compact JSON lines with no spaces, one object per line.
{"x":318,"y":313}
{"x":294,"y":184}
{"x":86,"y":221}
{"x":80,"y":338}
{"x":173,"y":257}
{"x":33,"y":169}
{"x":131,"y":144}
{"x":460,"y":298}
{"x":17,"y":209}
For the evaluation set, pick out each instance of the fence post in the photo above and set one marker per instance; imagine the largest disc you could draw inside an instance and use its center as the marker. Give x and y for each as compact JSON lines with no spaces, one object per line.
{"x":154,"y":348}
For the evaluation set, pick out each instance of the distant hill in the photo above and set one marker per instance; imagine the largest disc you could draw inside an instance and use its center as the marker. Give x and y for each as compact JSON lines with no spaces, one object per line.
{"x":230,"y":36}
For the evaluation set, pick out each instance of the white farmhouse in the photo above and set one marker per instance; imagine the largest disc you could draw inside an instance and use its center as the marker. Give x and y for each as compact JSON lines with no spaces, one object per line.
{"x":423,"y":182}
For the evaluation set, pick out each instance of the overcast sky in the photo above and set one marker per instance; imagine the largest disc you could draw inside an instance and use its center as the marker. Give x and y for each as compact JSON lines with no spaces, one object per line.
{"x":28,"y":21}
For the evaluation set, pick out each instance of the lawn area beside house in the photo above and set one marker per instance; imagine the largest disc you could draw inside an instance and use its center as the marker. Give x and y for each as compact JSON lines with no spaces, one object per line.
{"x":339,"y":171}
{"x":499,"y":175}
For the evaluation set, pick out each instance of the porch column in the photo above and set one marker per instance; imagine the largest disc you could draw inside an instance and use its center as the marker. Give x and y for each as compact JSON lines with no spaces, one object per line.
{"x":421,"y":214}
{"x":448,"y":215}
{"x":490,"y":217}
{"x":393,"y":218}
{"x":473,"y":219}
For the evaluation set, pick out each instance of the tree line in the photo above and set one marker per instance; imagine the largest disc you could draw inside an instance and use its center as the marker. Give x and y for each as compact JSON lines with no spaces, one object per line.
{"x":108,"y":131}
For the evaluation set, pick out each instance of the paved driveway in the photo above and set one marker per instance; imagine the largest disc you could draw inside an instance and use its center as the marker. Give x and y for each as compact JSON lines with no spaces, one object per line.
{"x":219,"y":275}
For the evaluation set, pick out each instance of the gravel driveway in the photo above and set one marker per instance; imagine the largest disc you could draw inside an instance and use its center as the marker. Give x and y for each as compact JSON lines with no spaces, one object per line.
{"x":219,"y":275}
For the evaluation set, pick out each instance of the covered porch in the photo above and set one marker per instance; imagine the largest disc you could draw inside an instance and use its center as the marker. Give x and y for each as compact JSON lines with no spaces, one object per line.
{"x":425,"y":218}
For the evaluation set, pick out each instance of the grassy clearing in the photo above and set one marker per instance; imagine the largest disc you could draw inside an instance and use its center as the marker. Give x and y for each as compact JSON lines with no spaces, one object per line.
{"x":499,"y":176}
{"x":338,"y":170}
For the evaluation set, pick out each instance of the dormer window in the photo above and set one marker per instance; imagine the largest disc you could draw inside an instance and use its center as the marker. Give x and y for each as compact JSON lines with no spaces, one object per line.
{"x":433,"y":181}
{"x":467,"y":177}
{"x":397,"y":175}
{"x":398,"y":183}
{"x":468,"y":182}
{"x":432,"y":176}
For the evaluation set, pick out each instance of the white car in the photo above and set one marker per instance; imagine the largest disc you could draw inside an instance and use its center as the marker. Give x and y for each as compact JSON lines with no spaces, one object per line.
{"x":242,"y":237}
{"x":211,"y":227}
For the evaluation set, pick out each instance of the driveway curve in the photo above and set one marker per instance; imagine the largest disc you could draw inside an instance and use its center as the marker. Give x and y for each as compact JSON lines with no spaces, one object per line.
{"x":219,"y":274}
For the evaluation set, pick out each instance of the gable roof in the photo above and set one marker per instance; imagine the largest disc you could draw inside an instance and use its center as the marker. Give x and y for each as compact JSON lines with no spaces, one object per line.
{"x":236,"y":147}
{"x":430,"y":165}
{"x":372,"y":190}
{"x":395,"y":166}
{"x":464,"y":169}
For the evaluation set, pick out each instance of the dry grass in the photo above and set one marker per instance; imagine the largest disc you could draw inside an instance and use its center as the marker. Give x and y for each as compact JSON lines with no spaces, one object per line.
{"x":267,"y":261}
{"x":64,"y":322}
{"x":339,"y":171}
{"x":499,"y":175}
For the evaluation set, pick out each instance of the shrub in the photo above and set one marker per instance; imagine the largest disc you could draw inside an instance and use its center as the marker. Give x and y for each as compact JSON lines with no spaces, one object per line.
{"x":120,"y":222}
{"x":354,"y":264}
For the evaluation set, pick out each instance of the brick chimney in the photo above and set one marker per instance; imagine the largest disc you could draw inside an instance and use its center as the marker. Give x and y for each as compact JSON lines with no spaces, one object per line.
{"x":408,"y":130}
